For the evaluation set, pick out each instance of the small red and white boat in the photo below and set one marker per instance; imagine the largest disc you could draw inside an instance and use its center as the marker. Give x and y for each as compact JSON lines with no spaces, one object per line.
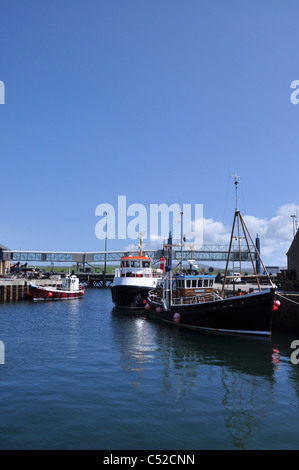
{"x":69,"y":290}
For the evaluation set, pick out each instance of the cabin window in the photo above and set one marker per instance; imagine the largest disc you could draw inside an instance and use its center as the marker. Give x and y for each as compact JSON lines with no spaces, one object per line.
{"x":126,"y":264}
{"x":146,"y":264}
{"x":188,"y":283}
{"x":194,"y":283}
{"x":205,"y":282}
{"x":135,"y":264}
{"x":211,"y":282}
{"x":199,"y":282}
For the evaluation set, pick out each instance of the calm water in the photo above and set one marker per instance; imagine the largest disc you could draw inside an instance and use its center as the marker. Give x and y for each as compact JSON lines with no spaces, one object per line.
{"x":79,"y":375}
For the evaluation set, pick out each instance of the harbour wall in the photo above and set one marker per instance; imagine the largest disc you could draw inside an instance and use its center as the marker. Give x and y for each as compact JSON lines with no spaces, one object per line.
{"x":286,"y":318}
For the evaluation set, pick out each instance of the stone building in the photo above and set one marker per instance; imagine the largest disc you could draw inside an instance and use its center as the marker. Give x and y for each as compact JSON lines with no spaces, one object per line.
{"x":293,"y":256}
{"x":4,"y":264}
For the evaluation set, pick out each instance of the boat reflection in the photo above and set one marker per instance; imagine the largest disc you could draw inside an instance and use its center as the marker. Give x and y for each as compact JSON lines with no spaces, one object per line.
{"x":138,"y":337}
{"x":135,"y":337}
{"x":233,"y":374}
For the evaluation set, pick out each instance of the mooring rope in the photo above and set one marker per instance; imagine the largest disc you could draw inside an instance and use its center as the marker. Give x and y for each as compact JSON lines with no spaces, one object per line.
{"x":286,"y":298}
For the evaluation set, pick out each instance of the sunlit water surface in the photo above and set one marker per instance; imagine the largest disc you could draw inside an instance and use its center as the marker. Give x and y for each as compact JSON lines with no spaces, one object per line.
{"x":81,"y":375}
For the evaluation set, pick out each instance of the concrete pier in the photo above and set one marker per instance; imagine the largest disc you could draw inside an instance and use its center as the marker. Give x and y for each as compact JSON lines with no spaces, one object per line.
{"x":286,"y":318}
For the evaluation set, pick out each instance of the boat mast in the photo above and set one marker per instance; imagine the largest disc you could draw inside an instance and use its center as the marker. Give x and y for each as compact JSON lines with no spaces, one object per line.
{"x":240,"y":222}
{"x":167,"y":284}
{"x":228,"y":256}
{"x":236,"y":218}
{"x":236,"y":189}
{"x":140,"y":244}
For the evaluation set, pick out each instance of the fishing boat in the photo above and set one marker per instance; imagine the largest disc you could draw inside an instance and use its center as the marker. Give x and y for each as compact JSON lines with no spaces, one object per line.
{"x":134,"y":279}
{"x":191,"y":300}
{"x":70,"y":289}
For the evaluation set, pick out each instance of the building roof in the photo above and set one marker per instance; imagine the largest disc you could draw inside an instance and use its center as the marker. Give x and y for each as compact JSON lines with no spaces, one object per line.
{"x":294,"y":242}
{"x":2,"y":247}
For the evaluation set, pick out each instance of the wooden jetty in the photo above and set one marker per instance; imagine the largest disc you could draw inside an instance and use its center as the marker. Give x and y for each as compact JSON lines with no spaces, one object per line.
{"x":101,"y":279}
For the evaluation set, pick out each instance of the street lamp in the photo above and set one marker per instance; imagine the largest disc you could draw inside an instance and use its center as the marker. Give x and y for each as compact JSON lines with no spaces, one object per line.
{"x":106,"y":214}
{"x":182,"y":238}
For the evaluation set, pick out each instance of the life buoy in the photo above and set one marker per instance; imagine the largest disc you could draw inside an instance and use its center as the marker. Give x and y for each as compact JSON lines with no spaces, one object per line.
{"x":176,"y":318}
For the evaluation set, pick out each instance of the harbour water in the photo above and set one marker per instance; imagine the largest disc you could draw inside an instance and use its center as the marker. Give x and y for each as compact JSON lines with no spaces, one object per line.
{"x":81,"y":375}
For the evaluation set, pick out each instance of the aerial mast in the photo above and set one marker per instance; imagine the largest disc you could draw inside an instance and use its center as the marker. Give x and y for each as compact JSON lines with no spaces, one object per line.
{"x":236,"y":189}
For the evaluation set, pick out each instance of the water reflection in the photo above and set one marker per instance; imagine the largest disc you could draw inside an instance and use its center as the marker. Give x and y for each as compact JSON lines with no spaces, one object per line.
{"x":247,"y":406}
{"x":67,"y":314}
{"x":234,"y":376}
{"x":73,"y":310}
{"x":288,"y":371}
{"x":139,"y":338}
{"x":136,"y":338}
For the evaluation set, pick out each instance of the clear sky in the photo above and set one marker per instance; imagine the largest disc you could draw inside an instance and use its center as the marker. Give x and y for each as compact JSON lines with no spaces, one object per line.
{"x":159,"y":101}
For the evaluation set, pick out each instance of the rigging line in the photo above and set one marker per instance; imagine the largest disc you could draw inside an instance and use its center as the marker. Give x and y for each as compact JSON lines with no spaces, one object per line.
{"x":293,"y":301}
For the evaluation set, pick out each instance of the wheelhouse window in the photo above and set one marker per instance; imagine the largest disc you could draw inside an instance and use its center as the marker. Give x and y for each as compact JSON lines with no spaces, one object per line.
{"x":135,"y":264}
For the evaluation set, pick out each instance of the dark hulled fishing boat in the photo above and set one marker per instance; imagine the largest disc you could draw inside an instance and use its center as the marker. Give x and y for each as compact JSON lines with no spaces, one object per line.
{"x":204,"y":309}
{"x":191,"y":301}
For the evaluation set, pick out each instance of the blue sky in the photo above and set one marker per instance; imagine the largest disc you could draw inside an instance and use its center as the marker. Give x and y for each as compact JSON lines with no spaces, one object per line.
{"x":160,"y":101}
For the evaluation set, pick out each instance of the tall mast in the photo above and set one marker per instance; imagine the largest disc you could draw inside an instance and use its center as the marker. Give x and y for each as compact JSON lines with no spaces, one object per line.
{"x":238,"y":216}
{"x":246,"y":234}
{"x":140,"y":245}
{"x":236,"y":189}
